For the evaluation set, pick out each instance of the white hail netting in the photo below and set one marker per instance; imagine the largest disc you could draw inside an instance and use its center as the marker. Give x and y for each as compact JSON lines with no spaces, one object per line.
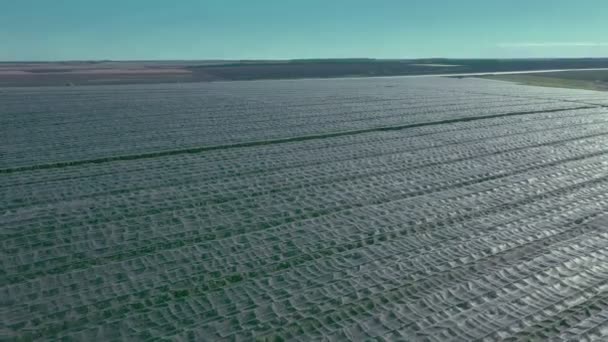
{"x":392,"y":208}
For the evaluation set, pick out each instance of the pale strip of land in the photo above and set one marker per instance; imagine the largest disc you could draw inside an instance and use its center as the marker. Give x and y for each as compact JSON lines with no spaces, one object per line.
{"x":580,"y":79}
{"x":436,"y":65}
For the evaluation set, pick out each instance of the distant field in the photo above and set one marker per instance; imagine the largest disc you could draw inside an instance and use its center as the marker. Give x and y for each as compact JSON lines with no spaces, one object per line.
{"x":437,"y":65}
{"x":591,"y":80}
{"x":376,"y":209}
{"x":137,"y":72}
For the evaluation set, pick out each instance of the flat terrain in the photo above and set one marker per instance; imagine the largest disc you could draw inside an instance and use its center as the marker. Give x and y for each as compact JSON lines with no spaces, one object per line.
{"x":592,"y":80}
{"x":150,"y":72}
{"x":432,"y":209}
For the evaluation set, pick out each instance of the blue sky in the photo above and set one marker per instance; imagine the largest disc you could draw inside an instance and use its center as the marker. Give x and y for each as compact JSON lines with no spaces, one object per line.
{"x":280,"y":29}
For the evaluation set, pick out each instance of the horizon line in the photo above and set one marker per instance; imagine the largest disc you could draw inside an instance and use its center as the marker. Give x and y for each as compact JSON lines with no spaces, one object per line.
{"x":101,"y":60}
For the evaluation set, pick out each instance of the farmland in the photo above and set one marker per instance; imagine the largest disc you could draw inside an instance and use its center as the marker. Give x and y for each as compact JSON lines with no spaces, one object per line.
{"x":14,"y":74}
{"x":348,"y":209}
{"x":581,"y":79}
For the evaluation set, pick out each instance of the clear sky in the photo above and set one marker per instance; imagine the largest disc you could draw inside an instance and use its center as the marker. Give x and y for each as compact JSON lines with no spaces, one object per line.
{"x":280,"y":29}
